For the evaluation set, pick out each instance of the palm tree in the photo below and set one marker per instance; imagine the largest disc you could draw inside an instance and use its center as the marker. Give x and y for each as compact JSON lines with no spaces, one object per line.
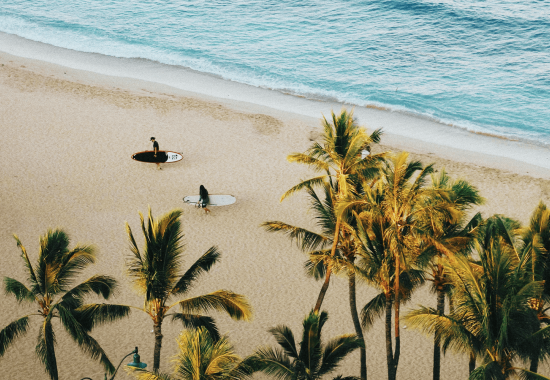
{"x":339,"y":158}
{"x":156,"y":273}
{"x":399,"y":206}
{"x":447,"y":238}
{"x":395,"y":211}
{"x":376,"y":266}
{"x":536,"y":247}
{"x":492,"y":304}
{"x":312,"y":360}
{"x":51,"y":288}
{"x":320,"y":258}
{"x":200,"y":357}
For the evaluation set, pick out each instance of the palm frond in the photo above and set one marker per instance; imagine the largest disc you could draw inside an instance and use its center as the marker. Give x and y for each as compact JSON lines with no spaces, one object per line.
{"x":201,"y":357}
{"x":340,"y":377}
{"x":140,"y":374}
{"x":93,"y":315}
{"x":19,"y":290}
{"x":313,"y":182}
{"x":451,"y":333}
{"x":310,"y":345}
{"x":374,"y":309}
{"x":525,"y":374}
{"x":32,"y":275}
{"x":45,"y":348}
{"x":11,"y":332}
{"x":284,"y":336}
{"x":103,"y":286}
{"x":202,"y":265}
{"x":157,"y":270}
{"x":306,"y":240}
{"x":72,"y":264}
{"x":336,"y":350}
{"x":488,"y":371}
{"x":317,"y":269}
{"x":310,"y":160}
{"x":272,"y":362}
{"x":193,"y":321}
{"x":79,"y":334}
{"x":234,"y":304}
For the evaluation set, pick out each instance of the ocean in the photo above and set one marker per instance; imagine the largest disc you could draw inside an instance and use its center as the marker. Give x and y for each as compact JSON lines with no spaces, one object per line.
{"x":483,"y":66}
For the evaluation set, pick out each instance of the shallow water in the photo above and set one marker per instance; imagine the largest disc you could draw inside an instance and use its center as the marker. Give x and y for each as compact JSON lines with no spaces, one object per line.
{"x":483,"y":66}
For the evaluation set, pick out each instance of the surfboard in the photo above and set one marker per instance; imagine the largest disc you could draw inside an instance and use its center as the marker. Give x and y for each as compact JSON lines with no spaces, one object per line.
{"x":163,"y":156}
{"x":214,"y":199}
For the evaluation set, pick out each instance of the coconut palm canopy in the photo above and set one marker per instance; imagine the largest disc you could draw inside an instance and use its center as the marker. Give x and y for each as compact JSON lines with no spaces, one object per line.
{"x":51,"y":287}
{"x":201,"y":357}
{"x":311,"y":359}
{"x":156,"y":272}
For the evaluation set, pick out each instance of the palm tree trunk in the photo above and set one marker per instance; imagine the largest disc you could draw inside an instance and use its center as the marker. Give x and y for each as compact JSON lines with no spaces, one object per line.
{"x":534,"y":367}
{"x":158,"y":345}
{"x":437,"y":346}
{"x":389,"y":349}
{"x":323,"y":291}
{"x":396,"y":317}
{"x":329,"y":270}
{"x":357,"y":324}
{"x":472,"y":363}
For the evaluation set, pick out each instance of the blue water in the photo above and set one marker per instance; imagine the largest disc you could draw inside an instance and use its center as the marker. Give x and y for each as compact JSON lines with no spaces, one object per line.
{"x":479,"y":65}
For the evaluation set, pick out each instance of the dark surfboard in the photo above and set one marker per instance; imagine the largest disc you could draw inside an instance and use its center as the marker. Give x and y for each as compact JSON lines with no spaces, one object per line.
{"x":162,"y":156}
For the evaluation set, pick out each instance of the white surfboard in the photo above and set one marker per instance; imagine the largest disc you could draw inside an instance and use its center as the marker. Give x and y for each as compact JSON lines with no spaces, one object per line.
{"x":213,"y":199}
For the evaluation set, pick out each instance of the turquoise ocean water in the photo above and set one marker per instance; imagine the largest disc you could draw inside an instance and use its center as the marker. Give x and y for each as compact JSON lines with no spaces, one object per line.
{"x":480,"y":65}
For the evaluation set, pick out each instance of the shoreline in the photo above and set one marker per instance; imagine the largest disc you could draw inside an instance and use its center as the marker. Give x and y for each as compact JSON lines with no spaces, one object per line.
{"x":399,"y":127}
{"x":78,"y":130}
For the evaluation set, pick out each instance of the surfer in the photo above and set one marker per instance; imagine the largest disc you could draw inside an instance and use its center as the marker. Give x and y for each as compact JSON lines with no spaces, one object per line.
{"x":203,"y":200}
{"x":156,"y":150}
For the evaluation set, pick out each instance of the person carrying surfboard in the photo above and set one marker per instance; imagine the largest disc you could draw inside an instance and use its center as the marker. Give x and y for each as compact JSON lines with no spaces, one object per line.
{"x":156,"y":150}
{"x":203,"y":200}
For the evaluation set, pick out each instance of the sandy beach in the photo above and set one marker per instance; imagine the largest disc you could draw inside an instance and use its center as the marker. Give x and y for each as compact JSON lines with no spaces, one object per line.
{"x":68,"y":136}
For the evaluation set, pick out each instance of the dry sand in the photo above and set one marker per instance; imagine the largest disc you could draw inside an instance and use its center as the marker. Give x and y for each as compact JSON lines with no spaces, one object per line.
{"x":67,"y":140}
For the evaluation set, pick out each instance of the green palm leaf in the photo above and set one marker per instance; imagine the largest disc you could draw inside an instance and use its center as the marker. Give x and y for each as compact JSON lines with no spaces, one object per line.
{"x":192,"y":321}
{"x":32,"y":275}
{"x":202,"y":265}
{"x":310,"y":345}
{"x":305,"y":239}
{"x":313,"y":182}
{"x":57,"y":268}
{"x":19,"y":290}
{"x":140,"y":374}
{"x":273,"y":362}
{"x":301,"y":158}
{"x":157,"y":270}
{"x":45,"y":348}
{"x":373,"y":310}
{"x":92,"y":315}
{"x":316,"y":270}
{"x":336,"y":349}
{"x":101,"y":285}
{"x":79,"y":334}
{"x":283,"y":335}
{"x":525,"y":374}
{"x":234,"y":304}
{"x":11,"y":332}
{"x":72,"y":264}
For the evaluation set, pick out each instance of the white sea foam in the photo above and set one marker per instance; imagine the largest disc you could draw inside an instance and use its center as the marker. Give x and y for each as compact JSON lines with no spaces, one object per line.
{"x":422,"y":128}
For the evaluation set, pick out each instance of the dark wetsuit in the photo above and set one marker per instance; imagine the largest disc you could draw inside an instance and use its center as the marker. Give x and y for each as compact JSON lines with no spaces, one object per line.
{"x":203,"y":201}
{"x":156,"y":146}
